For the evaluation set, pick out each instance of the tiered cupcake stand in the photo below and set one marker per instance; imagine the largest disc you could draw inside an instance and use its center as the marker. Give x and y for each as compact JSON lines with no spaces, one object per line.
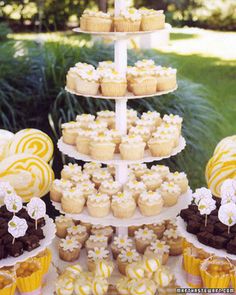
{"x":121,"y":41}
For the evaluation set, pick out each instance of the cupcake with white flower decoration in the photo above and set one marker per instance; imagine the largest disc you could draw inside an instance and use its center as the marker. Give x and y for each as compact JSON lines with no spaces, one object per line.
{"x":84,"y":65}
{"x":169,"y":129}
{"x":110,"y":187}
{"x":142,"y":131}
{"x":135,"y":187}
{"x":159,"y":249}
{"x":170,"y":193}
{"x":79,"y":232}
{"x":95,"y":255}
{"x":113,"y":84}
{"x":150,"y":203}
{"x":146,"y":123}
{"x":72,"y":201}
{"x":179,"y":178}
{"x":91,"y":167}
{"x":98,"y":240}
{"x":98,"y":126}
{"x":101,"y":175}
{"x":143,"y":238}
{"x":138,"y":169}
{"x":123,"y":205}
{"x":161,"y":169}
{"x":166,"y":79}
{"x":152,"y":116}
{"x":83,"y":140}
{"x":80,"y":178}
{"x":107,"y":231}
{"x":87,"y":82}
{"x":174,"y":240}
{"x":84,"y":120}
{"x":97,"y":21}
{"x":129,"y":20}
{"x":102,"y":147}
{"x":161,"y":144}
{"x":70,"y":131}
{"x":87,"y":188}
{"x":58,"y":187}
{"x":174,"y":120}
{"x":107,"y":64}
{"x":158,"y":228}
{"x":132,"y":147}
{"x":152,"y":180}
{"x":69,"y":249}
{"x":121,"y":243}
{"x":152,"y":19}
{"x":98,"y":205}
{"x":69,"y":170}
{"x":62,"y":224}
{"x":108,"y":117}
{"x":127,"y":257}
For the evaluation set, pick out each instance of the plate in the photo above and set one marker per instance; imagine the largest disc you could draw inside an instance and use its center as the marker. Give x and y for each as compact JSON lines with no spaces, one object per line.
{"x":128,"y":95}
{"x":136,"y":220}
{"x":193,"y":239}
{"x":70,"y":150}
{"x":49,"y":231}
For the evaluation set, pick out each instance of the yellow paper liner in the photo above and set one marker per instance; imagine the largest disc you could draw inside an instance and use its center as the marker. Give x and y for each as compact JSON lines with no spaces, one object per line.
{"x":45,"y":260}
{"x":10,"y":289}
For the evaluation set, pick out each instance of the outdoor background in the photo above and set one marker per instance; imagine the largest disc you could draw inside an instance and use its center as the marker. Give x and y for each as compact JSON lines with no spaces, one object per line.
{"x":37,"y":48}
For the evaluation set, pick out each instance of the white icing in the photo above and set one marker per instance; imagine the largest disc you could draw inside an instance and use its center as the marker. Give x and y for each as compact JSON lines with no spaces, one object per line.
{"x":151,"y":175}
{"x":98,"y":198}
{"x":106,"y":114}
{"x":122,"y":197}
{"x":72,"y":193}
{"x":139,"y":130}
{"x":98,"y":125}
{"x":176,"y":176}
{"x":132,"y":139}
{"x":98,"y":238}
{"x":170,"y":187}
{"x":82,"y":65}
{"x":71,"y":125}
{"x":85,"y":118}
{"x":80,"y":177}
{"x":101,"y":174}
{"x":138,"y":167}
{"x":106,"y":64}
{"x":62,"y":184}
{"x":90,"y":75}
{"x":150,"y":197}
{"x":173,"y":119}
{"x":144,"y":63}
{"x":135,"y":185}
{"x":72,"y":168}
{"x":63,"y":219}
{"x":110,"y":184}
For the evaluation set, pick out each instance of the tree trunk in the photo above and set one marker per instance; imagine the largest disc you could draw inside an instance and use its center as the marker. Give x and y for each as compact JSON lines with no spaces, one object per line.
{"x":102,"y":5}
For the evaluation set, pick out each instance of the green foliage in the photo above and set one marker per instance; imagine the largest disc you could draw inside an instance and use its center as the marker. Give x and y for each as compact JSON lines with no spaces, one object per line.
{"x":4,"y":31}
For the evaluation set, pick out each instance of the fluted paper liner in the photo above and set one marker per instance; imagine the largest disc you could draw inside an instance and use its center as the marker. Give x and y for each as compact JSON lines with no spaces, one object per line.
{"x":10,"y":289}
{"x":191,"y":265}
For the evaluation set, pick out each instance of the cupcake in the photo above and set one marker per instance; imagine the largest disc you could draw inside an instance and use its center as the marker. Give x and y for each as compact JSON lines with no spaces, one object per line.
{"x":172,"y":238}
{"x":69,"y":170}
{"x":84,"y":120}
{"x":174,"y":120}
{"x":87,"y":82}
{"x":135,"y":188}
{"x":79,"y":232}
{"x":132,"y":148}
{"x":70,"y":132}
{"x":87,"y":225}
{"x":171,"y":129}
{"x":123,"y":205}
{"x":120,"y":243}
{"x":71,"y":79}
{"x":98,"y":126}
{"x":158,"y":228}
{"x":107,"y":231}
{"x":72,"y":201}
{"x":170,"y":193}
{"x":58,"y":187}
{"x":62,"y":224}
{"x":98,"y":205}
{"x":142,"y":131}
{"x":180,"y":179}
{"x":80,"y":178}
{"x":127,"y":257}
{"x":161,"y":169}
{"x":116,"y":138}
{"x":69,"y":249}
{"x":64,"y":285}
{"x":154,"y":117}
{"x":113,"y":84}
{"x":161,"y":144}
{"x":146,"y":123}
{"x":108,"y":117}
{"x":152,"y":180}
{"x":132,"y":115}
{"x":129,"y":20}
{"x":110,"y":187}
{"x":150,"y":203}
{"x":166,"y":79}
{"x":83,"y":140}
{"x":91,"y":167}
{"x":87,"y":188}
{"x":7,"y":283}
{"x":139,"y":169}
{"x":159,"y":249}
{"x":95,"y":255}
{"x":107,"y":64}
{"x":152,"y":19}
{"x":98,"y":240}
{"x":44,"y":258}
{"x":143,"y":238}
{"x":101,"y":175}
{"x":162,"y":277}
{"x":97,"y":21}
{"x":102,"y":147}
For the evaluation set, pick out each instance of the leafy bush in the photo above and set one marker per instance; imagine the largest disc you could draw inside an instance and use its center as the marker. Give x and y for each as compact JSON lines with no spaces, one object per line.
{"x":4,"y":31}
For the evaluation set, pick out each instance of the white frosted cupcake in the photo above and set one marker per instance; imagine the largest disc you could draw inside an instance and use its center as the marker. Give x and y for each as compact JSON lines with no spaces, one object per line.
{"x":85,"y":119}
{"x":80,"y":178}
{"x":83,"y":65}
{"x":71,"y":78}
{"x":69,"y":170}
{"x":72,"y":201}
{"x":58,"y":187}
{"x":110,"y":187}
{"x":126,"y":257}
{"x":69,"y":249}
{"x":179,"y":178}
{"x":107,"y":64}
{"x":96,"y":21}
{"x":87,"y":188}
{"x":91,"y":167}
{"x":152,"y":19}
{"x":150,"y":203}
{"x":123,"y":205}
{"x":120,"y":243}
{"x":166,"y":79}
{"x":79,"y":232}
{"x":83,"y":140}
{"x":98,"y":126}
{"x":170,"y":193}
{"x":132,"y":116}
{"x":135,"y":187}
{"x":87,"y":82}
{"x":62,"y":224}
{"x":143,"y":238}
{"x":142,"y":131}
{"x":150,"y":124}
{"x":108,"y":117}
{"x":97,"y":240}
{"x":70,"y":132}
{"x":161,"y":145}
{"x":132,"y":147}
{"x":161,"y":169}
{"x":174,"y":240}
{"x":98,"y":205}
{"x":113,"y":84}
{"x":101,"y":175}
{"x":107,"y":231}
{"x":174,"y":120}
{"x":95,"y":255}
{"x":102,"y":147}
{"x":139,"y":169}
{"x":154,"y":117}
{"x":169,"y":129}
{"x":158,"y":249}
{"x":129,"y":20}
{"x":152,"y":180}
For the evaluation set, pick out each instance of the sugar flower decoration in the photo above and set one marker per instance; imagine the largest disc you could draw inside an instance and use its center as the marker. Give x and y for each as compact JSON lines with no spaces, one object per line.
{"x":201,"y":193}
{"x":228,"y":191}
{"x":13,"y":203}
{"x":36,"y":208}
{"x":228,"y":185}
{"x":6,"y":189}
{"x":206,"y":205}
{"x":227,"y":214}
{"x":17,"y":227}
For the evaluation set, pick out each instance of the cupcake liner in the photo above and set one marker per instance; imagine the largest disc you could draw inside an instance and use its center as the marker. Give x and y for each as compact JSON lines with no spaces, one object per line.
{"x":30,"y":284}
{"x":102,"y":151}
{"x":113,"y":89}
{"x":233,"y":280}
{"x":45,"y":261}
{"x":86,"y":87}
{"x":95,"y":24}
{"x":8,"y":290}
{"x":153,"y":22}
{"x":144,"y":87}
{"x":124,"y":25}
{"x":166,"y":83}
